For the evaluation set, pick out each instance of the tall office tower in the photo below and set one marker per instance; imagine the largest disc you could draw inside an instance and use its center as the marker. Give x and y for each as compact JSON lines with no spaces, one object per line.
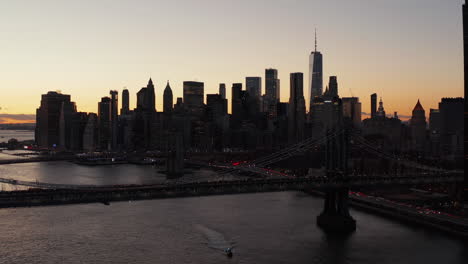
{"x":150,"y":96}
{"x":216,"y":106}
{"x":104,"y":123}
{"x":434,"y":131}
{"x":272,"y":90}
{"x":352,"y":110}
{"x":90,"y":133}
{"x":125,"y":110}
{"x":222,"y":90}
{"x":193,"y":97}
{"x":373,"y":99}
{"x":418,"y":127}
{"x":315,"y":74}
{"x":333,"y":87}
{"x":48,"y":119}
{"x":146,"y":98}
{"x":236,"y":104}
{"x":78,"y":125}
{"x":67,"y":110}
{"x":114,"y":95}
{"x":296,"y":107}
{"x":218,"y":120}
{"x":434,"y":121}
{"x":253,"y":85}
{"x":168,"y":99}
{"x":452,"y":127}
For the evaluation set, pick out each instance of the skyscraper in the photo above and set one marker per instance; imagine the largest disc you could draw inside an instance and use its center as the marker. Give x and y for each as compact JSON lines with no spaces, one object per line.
{"x":104,"y":123}
{"x":125,"y":103}
{"x":418,"y":127}
{"x":352,"y":110}
{"x":332,"y":89}
{"x":222,"y":90}
{"x":150,"y":96}
{"x":296,"y":107}
{"x":253,"y":85}
{"x":315,"y":74}
{"x":452,"y":127}
{"x":67,"y":111}
{"x":272,"y":90}
{"x":48,"y":119}
{"x":114,"y":95}
{"x":168,"y":99}
{"x":236,"y":104}
{"x":193,"y":96}
{"x":146,"y":98}
{"x":373,"y":98}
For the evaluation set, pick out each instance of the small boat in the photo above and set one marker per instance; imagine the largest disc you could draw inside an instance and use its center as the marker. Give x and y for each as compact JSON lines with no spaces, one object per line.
{"x":228,"y":252}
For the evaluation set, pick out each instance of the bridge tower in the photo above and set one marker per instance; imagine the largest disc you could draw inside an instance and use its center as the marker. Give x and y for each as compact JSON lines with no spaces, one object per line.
{"x":335,"y":216}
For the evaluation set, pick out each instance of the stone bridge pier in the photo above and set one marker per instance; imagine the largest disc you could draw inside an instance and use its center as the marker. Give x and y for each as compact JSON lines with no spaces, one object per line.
{"x":335,"y":216}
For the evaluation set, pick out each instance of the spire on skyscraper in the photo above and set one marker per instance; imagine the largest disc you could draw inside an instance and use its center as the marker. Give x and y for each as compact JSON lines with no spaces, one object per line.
{"x":315,"y":39}
{"x":150,"y":81}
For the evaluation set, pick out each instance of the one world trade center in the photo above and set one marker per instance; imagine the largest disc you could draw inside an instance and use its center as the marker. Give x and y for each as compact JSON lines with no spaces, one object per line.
{"x":315,"y":74}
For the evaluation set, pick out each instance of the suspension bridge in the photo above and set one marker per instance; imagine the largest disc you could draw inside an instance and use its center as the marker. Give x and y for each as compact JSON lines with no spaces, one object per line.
{"x":257,"y":176}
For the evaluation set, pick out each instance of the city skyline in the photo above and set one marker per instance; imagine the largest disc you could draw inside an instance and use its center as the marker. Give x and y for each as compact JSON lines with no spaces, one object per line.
{"x":88,"y":78}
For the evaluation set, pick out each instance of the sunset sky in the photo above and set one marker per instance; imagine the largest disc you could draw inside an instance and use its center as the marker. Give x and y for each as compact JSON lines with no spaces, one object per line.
{"x":401,"y":49}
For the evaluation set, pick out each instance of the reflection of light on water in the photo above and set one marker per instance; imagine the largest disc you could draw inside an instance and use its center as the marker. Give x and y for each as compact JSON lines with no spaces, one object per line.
{"x":215,"y":239}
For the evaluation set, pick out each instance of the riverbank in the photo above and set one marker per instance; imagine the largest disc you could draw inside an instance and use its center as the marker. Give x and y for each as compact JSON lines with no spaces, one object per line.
{"x":407,"y":214}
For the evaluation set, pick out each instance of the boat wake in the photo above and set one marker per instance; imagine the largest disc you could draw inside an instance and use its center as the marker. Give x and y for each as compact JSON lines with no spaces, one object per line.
{"x":215,"y":240}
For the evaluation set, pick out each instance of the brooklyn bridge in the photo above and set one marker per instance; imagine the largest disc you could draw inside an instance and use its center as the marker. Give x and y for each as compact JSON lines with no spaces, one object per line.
{"x":258,"y":175}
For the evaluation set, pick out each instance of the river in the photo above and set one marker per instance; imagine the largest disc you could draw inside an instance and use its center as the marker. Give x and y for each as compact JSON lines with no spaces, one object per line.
{"x":20,"y":135}
{"x":263,"y":228}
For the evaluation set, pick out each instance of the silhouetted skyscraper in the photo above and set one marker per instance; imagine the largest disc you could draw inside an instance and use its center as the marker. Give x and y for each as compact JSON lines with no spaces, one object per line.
{"x":67,"y":111}
{"x":114,"y":118}
{"x":253,"y":85}
{"x":352,"y":110}
{"x":332,"y":89}
{"x":373,"y":98}
{"x":418,"y":127}
{"x":222,"y":90}
{"x":104,"y":123}
{"x":452,"y":127}
{"x":193,"y":97}
{"x":236,"y":104}
{"x":48,"y":119}
{"x":168,"y":99}
{"x":296,"y":115}
{"x":90,"y":133}
{"x":125,"y":110}
{"x":315,"y":74}
{"x":146,"y":98}
{"x":150,"y":96}
{"x":272,"y":90}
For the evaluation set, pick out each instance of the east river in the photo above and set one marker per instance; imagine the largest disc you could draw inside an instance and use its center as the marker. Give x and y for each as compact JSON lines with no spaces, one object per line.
{"x":262,"y":228}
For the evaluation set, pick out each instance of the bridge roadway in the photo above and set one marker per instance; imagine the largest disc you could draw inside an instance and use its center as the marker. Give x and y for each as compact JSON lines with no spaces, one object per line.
{"x":273,"y":183}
